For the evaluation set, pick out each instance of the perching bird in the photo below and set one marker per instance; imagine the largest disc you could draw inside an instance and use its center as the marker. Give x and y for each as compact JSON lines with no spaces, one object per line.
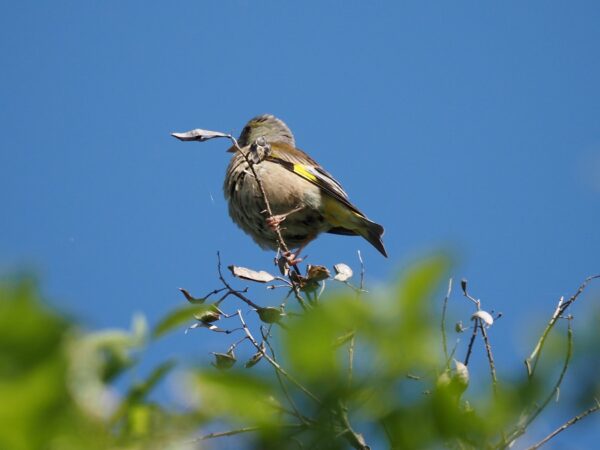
{"x":305,"y":199}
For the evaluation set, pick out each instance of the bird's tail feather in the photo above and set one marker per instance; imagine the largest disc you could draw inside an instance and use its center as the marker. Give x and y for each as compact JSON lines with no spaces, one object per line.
{"x":372,"y":232}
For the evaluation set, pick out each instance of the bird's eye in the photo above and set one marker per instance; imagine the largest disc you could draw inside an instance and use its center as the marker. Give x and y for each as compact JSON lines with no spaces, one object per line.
{"x":262,"y":141}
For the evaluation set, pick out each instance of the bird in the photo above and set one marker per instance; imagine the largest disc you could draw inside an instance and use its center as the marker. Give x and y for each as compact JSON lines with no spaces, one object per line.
{"x":305,"y":199}
{"x":299,"y":192}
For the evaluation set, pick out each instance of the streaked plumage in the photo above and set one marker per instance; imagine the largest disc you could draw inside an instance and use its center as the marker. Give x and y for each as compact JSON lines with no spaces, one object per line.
{"x":292,"y":180}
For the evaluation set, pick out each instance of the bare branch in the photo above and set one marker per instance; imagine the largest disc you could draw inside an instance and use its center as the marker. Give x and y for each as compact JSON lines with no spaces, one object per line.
{"x":296,"y":411}
{"x":558,"y":312}
{"x":232,"y":291}
{"x":274,"y":363}
{"x":203,"y":135}
{"x":355,"y":439}
{"x":566,"y":425}
{"x":470,"y":347}
{"x":443,"y":324}
{"x":239,"y":431}
{"x":490,"y":356}
{"x":522,"y":428}
{"x":362,"y":272}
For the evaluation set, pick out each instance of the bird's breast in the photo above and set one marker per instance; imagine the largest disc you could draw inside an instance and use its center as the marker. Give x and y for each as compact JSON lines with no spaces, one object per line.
{"x":285,"y":191}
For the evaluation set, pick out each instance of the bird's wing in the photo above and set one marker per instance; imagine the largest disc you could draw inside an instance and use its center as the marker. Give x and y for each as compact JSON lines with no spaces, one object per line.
{"x":301,"y":164}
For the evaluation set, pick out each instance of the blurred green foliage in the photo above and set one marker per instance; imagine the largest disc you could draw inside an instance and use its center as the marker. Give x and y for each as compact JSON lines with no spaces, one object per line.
{"x":350,"y":370}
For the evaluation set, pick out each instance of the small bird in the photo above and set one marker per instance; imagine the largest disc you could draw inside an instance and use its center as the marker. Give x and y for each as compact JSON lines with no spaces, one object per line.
{"x":305,"y":199}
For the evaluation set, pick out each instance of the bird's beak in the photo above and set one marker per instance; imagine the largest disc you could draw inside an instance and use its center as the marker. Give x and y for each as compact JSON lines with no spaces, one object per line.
{"x":231,"y":149}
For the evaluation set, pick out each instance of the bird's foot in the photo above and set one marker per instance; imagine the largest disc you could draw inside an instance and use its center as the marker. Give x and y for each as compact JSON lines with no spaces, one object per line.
{"x":292,"y":259}
{"x":273,"y":222}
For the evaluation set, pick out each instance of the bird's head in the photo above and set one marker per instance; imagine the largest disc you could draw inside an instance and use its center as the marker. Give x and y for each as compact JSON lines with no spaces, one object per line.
{"x":269,"y":127}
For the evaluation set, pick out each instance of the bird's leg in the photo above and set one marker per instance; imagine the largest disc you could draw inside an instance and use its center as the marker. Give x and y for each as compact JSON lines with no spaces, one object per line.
{"x":274,"y":221}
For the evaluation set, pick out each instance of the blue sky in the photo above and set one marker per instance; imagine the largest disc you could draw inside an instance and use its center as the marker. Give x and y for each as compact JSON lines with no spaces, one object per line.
{"x":465,"y":126}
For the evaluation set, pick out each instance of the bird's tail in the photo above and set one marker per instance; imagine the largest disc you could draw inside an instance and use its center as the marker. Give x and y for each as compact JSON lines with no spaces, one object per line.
{"x":372,"y":232}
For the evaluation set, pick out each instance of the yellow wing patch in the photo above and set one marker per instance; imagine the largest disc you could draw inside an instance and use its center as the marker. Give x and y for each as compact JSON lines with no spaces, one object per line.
{"x":304,"y":173}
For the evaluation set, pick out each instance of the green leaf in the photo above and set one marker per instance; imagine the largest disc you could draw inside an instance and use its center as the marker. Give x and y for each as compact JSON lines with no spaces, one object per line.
{"x":180,"y":316}
{"x":239,"y":396}
{"x":224,"y":361}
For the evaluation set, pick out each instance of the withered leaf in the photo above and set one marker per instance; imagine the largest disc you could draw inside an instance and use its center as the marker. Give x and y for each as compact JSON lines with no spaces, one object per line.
{"x":198,"y":135}
{"x":252,"y":275}
{"x":317,"y":273}
{"x":343,"y":272}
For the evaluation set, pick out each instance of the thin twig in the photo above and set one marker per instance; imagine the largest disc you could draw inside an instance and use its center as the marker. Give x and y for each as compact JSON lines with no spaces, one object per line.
{"x":362,"y":272}
{"x":193,"y":299}
{"x":227,"y":433}
{"x":566,"y":425}
{"x":352,"y":342}
{"x":443,"y":325}
{"x":239,"y":431}
{"x":296,"y":412}
{"x":274,"y":363}
{"x":558,"y":312}
{"x":478,"y":324}
{"x":490,"y":356}
{"x":355,"y":439}
{"x":351,"y":359}
{"x":280,"y":241}
{"x":463,"y":285}
{"x":232,"y":291}
{"x":521,"y":429}
{"x":470,"y":347}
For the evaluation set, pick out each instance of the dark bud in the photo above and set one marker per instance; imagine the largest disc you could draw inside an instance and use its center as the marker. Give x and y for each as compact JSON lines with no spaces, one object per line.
{"x":463,"y":285}
{"x":270,"y":314}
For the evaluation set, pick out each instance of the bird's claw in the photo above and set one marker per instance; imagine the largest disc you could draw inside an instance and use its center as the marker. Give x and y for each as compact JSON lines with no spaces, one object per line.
{"x":273,"y":222}
{"x":291,"y":258}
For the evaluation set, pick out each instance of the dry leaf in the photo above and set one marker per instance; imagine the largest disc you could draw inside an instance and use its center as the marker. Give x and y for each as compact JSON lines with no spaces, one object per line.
{"x":342,"y":272}
{"x":485,"y":317}
{"x":198,"y":135}
{"x":317,"y":273}
{"x":252,"y":275}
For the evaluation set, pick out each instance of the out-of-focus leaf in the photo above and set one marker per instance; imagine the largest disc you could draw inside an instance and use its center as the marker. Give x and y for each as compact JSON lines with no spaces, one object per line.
{"x":33,"y":367}
{"x":413,"y":315}
{"x":251,"y":275}
{"x":180,"y":316}
{"x":139,"y":328}
{"x":139,"y":391}
{"x":461,"y":374}
{"x":312,"y":341}
{"x":94,"y":360}
{"x":341,"y":340}
{"x":237,"y":396}
{"x":198,"y":134}
{"x":420,"y":281}
{"x":343,"y":272}
{"x":139,"y":419}
{"x":454,"y":383}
